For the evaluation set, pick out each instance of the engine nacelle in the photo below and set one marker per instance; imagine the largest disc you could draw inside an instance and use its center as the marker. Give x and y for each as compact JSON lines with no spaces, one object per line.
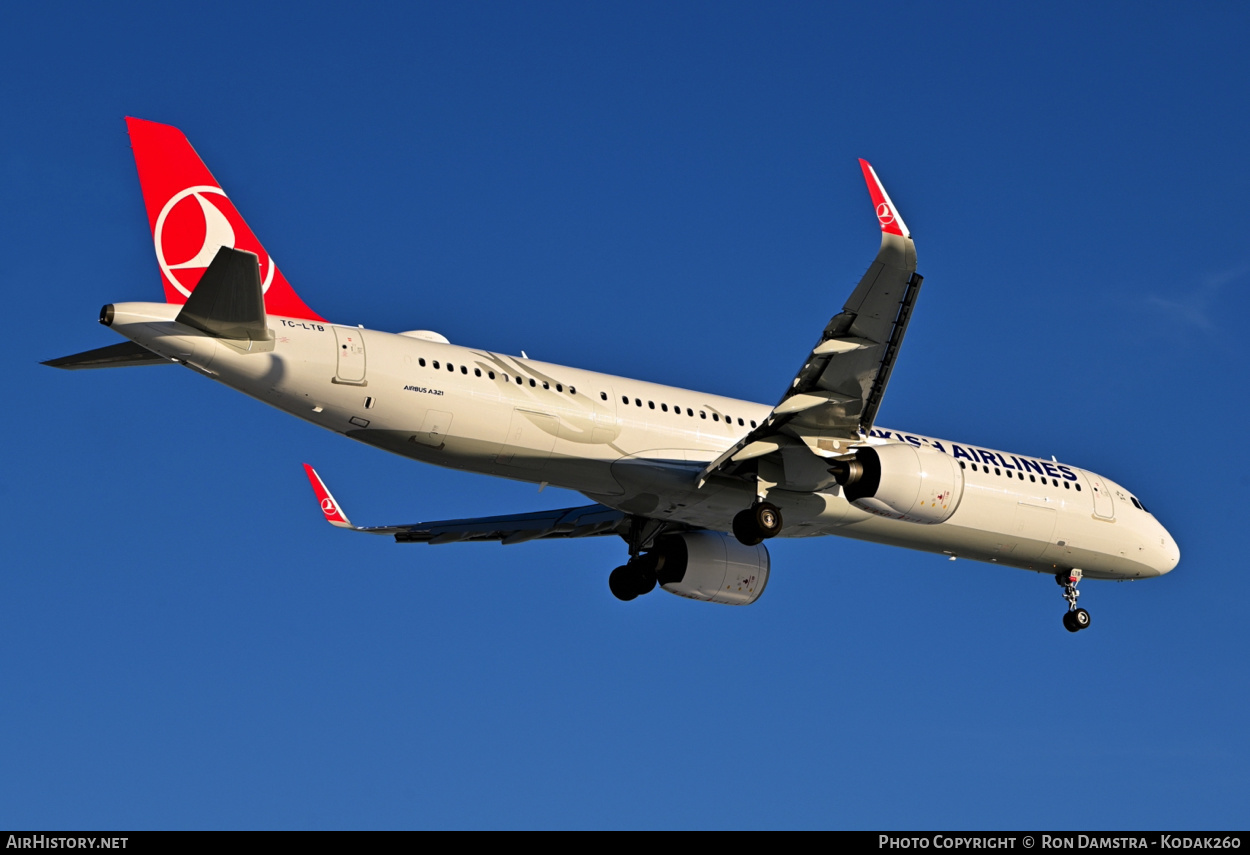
{"x":712,"y":567}
{"x":902,"y":482}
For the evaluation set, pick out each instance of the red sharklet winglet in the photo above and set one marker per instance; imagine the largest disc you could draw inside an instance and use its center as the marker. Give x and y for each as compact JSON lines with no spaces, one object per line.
{"x":888,"y":215}
{"x":333,"y":513}
{"x":191,"y":217}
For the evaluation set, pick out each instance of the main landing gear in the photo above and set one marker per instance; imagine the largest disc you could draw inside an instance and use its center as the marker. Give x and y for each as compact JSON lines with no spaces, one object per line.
{"x":635,"y":578}
{"x":641,"y":573}
{"x":1075,"y":619}
{"x":757,"y":523}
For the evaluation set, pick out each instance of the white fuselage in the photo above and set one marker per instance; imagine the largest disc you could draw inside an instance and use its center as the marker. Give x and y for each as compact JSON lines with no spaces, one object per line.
{"x":639,"y":447}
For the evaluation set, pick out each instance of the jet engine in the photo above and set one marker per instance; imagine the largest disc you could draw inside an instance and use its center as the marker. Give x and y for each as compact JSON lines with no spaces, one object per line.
{"x":901,"y":482}
{"x":710,"y":566}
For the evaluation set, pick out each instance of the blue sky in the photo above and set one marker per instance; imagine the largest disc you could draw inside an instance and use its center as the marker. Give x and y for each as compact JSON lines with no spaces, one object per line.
{"x":666,"y":192}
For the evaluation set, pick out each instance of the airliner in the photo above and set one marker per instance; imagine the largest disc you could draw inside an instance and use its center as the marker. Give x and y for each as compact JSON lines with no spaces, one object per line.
{"x":693,"y":483}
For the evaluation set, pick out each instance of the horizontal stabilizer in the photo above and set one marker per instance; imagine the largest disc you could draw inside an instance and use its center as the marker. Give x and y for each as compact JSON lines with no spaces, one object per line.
{"x":228,"y":303}
{"x":113,"y":356}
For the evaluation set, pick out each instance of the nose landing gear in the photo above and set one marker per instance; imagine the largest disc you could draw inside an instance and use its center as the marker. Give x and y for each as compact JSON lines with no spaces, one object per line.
{"x":1075,"y":619}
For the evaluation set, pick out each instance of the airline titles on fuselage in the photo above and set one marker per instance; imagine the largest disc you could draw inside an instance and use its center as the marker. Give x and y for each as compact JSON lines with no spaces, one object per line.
{"x":982,"y":456}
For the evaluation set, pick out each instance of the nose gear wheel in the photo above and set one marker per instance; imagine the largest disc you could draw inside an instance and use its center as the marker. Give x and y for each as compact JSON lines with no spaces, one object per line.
{"x":1076,"y":619}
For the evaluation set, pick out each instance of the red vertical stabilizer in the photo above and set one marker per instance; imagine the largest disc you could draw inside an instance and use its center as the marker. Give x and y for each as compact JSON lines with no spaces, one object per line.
{"x":191,"y":218}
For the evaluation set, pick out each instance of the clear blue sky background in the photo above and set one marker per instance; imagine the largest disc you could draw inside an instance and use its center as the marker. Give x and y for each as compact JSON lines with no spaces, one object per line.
{"x":669,"y":192}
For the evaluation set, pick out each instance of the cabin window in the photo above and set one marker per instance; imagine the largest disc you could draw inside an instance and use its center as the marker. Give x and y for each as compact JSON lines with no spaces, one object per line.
{"x":1055,"y":481}
{"x":421,"y":361}
{"x":532,"y":383}
{"x":637,"y":402}
{"x":491,"y":374}
{"x":546,"y":385}
{"x":1033,"y":478}
{"x":752,"y":422}
{"x":624,"y":399}
{"x":974,"y":468}
{"x":962,"y":465}
{"x":996,"y":471}
{"x":715,"y":417}
{"x":572,"y":391}
{"x":702,"y":414}
{"x":740,"y":423}
{"x":520,"y":381}
{"x":436,"y":363}
{"x":465,"y":370}
{"x":1067,"y":485}
{"x":559,"y":388}
{"x":690,"y":412}
{"x":1078,"y":488}
{"x":651,"y":404}
{"x":664,"y":408}
{"x":603,"y":396}
{"x":477,"y":372}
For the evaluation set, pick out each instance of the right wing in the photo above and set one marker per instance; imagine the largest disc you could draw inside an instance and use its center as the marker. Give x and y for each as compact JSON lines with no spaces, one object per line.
{"x":587,"y":521}
{"x":835,"y":395}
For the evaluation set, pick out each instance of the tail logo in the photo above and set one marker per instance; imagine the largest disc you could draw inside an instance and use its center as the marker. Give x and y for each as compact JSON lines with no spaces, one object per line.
{"x":188,"y":234}
{"x":327,"y":507}
{"x":884,"y":214}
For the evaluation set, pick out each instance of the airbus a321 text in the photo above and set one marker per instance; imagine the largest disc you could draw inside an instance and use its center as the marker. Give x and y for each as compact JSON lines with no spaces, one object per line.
{"x":693,"y":483}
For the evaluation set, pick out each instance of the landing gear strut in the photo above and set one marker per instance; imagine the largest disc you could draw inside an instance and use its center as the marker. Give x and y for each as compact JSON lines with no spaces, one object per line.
{"x":757,"y":523}
{"x":1075,"y":619}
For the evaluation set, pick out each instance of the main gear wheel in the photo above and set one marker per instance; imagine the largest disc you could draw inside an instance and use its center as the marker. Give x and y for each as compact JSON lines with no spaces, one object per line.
{"x":757,"y":523}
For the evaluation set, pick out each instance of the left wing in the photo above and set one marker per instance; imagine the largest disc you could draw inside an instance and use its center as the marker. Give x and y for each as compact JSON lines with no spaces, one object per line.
{"x":838,"y":390}
{"x":587,"y":521}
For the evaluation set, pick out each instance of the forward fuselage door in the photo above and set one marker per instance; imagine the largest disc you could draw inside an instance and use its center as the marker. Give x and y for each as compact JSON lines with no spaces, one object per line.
{"x":1104,"y":506}
{"x":351,"y":355}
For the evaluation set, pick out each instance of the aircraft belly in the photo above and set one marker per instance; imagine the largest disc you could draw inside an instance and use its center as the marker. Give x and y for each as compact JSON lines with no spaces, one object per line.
{"x":990,"y":526}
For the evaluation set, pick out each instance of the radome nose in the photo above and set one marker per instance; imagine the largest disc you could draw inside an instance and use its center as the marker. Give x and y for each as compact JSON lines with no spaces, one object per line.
{"x":1169,"y":553}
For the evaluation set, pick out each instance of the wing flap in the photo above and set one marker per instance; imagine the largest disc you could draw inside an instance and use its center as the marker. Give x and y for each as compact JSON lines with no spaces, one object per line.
{"x":586,"y":521}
